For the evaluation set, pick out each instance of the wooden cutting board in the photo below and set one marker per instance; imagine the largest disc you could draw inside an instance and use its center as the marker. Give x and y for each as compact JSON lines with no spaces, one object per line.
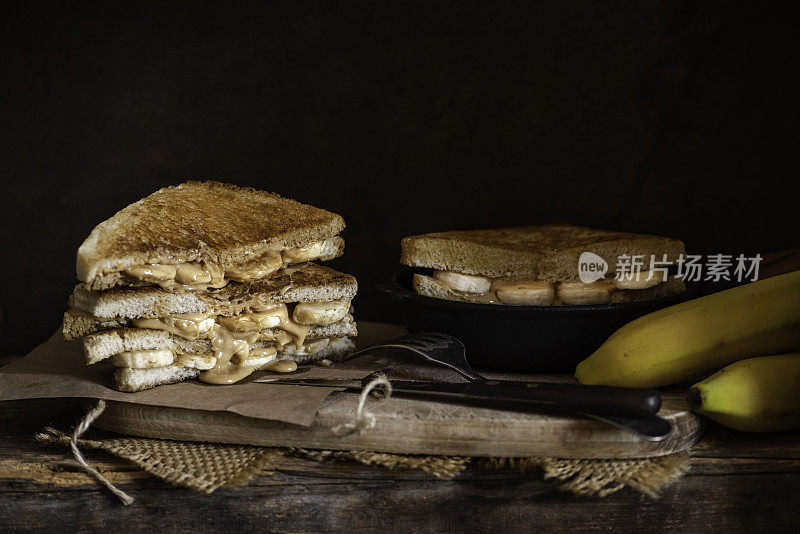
{"x":411,"y":426}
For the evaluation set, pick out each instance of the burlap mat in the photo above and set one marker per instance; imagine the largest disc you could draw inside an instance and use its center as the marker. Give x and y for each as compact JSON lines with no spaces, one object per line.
{"x":207,"y":466}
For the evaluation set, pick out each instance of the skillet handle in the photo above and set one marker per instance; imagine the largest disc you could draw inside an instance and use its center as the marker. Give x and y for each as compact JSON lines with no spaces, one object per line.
{"x":394,"y":293}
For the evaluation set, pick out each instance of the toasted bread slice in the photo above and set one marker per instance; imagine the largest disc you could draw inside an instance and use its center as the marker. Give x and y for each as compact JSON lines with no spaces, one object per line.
{"x":301,"y":283}
{"x":202,"y":221}
{"x":430,"y":287}
{"x":103,"y":344}
{"x":132,"y":380}
{"x":78,"y":323}
{"x":547,"y":252}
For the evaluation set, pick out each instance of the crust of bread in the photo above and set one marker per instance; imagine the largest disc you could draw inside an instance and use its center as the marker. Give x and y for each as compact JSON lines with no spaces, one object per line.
{"x":136,"y":303}
{"x":302,"y":283}
{"x":299,"y":283}
{"x":548,"y":252}
{"x":198,"y":221}
{"x":132,"y":380}
{"x":78,"y":324}
{"x":106,"y":343}
{"x":430,"y":287}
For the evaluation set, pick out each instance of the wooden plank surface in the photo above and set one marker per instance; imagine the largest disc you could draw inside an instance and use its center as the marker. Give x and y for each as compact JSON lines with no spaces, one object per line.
{"x":411,"y":426}
{"x":737,"y":483}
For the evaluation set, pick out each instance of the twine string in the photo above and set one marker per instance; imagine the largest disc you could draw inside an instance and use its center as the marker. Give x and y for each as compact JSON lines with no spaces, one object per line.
{"x":363,"y":418}
{"x":80,"y":430}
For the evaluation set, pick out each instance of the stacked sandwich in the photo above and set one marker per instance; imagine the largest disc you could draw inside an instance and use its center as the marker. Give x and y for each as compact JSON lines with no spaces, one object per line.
{"x":213,"y":281}
{"x":543,"y":265}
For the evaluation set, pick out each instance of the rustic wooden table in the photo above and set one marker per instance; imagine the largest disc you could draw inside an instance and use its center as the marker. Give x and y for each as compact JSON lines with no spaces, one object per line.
{"x":737,"y":482}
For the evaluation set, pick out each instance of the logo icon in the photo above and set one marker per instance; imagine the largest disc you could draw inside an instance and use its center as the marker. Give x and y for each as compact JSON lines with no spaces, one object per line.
{"x":591,"y":267}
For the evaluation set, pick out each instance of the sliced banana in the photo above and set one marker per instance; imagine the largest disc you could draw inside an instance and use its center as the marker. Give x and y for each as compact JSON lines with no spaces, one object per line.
{"x":646,"y":279}
{"x":143,"y":359}
{"x":249,"y":322}
{"x":259,"y":357}
{"x":304,"y":253}
{"x":281,"y":366}
{"x":204,"y":362}
{"x":464,"y":282}
{"x":192,"y":324}
{"x":256,"y":269}
{"x":263,"y":352}
{"x":578,"y":293}
{"x":320,"y":313}
{"x":312,"y":347}
{"x":532,"y":293}
{"x":152,"y":272}
{"x":192,"y":273}
{"x":217,"y":273}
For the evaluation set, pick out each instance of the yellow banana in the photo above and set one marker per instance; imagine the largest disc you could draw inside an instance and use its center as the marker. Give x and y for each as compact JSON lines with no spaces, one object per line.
{"x":695,"y":338}
{"x":753,"y":395}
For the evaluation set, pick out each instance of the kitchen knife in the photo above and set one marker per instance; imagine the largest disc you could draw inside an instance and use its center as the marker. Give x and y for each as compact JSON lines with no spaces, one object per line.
{"x":529,"y":396}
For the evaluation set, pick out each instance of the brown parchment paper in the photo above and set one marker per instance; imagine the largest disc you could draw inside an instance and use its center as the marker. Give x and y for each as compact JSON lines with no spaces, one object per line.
{"x":57,"y":369}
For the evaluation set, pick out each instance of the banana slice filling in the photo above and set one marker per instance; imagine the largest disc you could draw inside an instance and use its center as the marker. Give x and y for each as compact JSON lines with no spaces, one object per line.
{"x":464,"y":282}
{"x":143,"y":359}
{"x":645,"y":280}
{"x":207,"y":274}
{"x":321,"y":313}
{"x":578,"y":293}
{"x":538,"y":293}
{"x":514,"y":292}
{"x":234,"y":339}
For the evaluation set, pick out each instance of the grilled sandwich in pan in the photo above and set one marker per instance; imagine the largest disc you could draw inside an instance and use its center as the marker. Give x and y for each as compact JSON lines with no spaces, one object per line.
{"x":517,"y":298}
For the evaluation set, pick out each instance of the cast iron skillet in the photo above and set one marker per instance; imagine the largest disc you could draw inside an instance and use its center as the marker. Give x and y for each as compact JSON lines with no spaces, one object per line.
{"x":538,"y":339}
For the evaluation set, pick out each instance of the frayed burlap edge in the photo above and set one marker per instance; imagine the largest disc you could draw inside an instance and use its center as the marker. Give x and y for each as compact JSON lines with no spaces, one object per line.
{"x":599,"y":478}
{"x":206,"y":467}
{"x":581,"y":477}
{"x":202,"y":467}
{"x":444,"y":467}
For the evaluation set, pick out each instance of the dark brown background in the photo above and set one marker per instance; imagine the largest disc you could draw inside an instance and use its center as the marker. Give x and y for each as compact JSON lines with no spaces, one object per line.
{"x":677,"y":118}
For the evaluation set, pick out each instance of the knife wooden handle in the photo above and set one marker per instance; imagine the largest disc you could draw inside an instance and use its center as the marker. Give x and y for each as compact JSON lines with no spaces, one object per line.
{"x":634,"y":402}
{"x":631,"y":402}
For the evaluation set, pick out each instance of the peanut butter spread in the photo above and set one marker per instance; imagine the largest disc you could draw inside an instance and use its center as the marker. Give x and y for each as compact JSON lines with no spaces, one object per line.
{"x":209,"y":274}
{"x":232,"y":337}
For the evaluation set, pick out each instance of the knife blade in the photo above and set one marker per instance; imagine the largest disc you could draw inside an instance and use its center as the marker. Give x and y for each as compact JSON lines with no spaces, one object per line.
{"x":533,"y":396}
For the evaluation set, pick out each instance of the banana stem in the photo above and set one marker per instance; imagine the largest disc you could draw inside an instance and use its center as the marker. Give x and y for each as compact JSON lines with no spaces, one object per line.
{"x":694,"y":398}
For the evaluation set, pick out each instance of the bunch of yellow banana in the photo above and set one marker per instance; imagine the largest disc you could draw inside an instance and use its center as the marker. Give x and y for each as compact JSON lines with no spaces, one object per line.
{"x":753,"y":395}
{"x":698,"y":337}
